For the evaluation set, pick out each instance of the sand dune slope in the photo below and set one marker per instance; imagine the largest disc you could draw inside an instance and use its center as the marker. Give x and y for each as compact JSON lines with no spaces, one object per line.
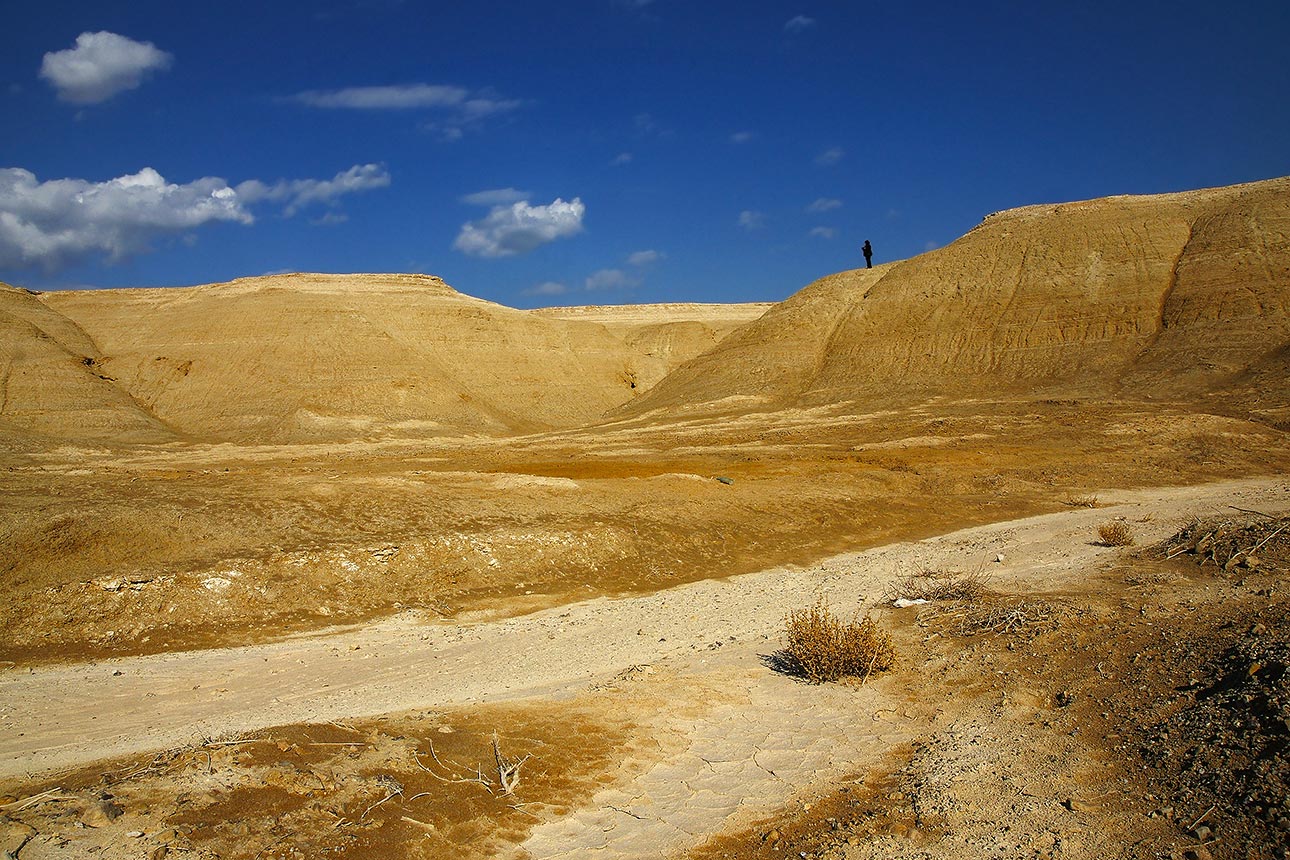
{"x":1171,"y":293}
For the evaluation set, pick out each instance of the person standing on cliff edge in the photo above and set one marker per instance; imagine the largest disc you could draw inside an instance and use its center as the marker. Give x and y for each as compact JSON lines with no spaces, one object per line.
{"x":867,"y":250}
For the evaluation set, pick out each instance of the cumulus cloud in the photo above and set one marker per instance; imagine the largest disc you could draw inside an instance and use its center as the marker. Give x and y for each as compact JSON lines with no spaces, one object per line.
{"x":799,"y":24}
{"x":101,"y":65}
{"x":824,"y":204}
{"x":520,"y":227}
{"x":495,"y":197}
{"x":742,"y":136}
{"x":459,"y":107}
{"x":750,"y":219}
{"x":610,"y":279}
{"x":830,"y":157}
{"x":824,"y":232}
{"x":300,"y":193}
{"x":53,"y":223}
{"x":644,"y":258}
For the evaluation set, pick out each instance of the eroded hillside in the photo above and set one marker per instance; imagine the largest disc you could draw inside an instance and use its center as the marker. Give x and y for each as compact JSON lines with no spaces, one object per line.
{"x":316,"y":357}
{"x":1176,"y":295}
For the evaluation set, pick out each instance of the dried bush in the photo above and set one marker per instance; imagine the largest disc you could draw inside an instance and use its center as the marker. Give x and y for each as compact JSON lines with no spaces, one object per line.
{"x":821,"y":647}
{"x":1025,"y":618}
{"x":1115,"y":533}
{"x":933,"y":585}
{"x":1229,"y":543}
{"x":1089,"y":501}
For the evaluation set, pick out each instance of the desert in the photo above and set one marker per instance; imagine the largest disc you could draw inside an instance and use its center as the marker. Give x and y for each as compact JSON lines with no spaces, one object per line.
{"x":357,"y":565}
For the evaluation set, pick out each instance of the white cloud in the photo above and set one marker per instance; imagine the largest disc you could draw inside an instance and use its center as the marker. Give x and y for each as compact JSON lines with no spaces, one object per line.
{"x":751,"y":219}
{"x":931,"y":245}
{"x":397,"y":97}
{"x":610,"y":279}
{"x":329,"y":219}
{"x":824,"y":232}
{"x":799,"y":24}
{"x":824,"y":204}
{"x":621,"y":158}
{"x":495,"y":197}
{"x":299,"y":193}
{"x":461,"y":109}
{"x":830,"y":157}
{"x":644,"y":258}
{"x":547,"y":288}
{"x":51,"y":224}
{"x":520,"y":227}
{"x":742,"y":136}
{"x":100,"y":66}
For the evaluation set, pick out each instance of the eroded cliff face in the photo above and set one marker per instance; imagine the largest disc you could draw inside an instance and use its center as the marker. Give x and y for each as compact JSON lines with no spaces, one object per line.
{"x":1171,"y":294}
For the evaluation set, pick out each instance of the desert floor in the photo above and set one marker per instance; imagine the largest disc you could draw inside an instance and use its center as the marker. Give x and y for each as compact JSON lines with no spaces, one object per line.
{"x":311,"y":651}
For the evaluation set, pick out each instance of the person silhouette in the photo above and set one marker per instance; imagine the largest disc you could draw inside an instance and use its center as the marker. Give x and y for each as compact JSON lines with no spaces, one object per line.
{"x":868,"y":254}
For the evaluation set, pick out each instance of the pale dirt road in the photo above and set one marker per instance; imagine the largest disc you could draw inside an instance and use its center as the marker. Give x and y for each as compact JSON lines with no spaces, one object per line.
{"x":722,"y":740}
{"x":55,"y":717}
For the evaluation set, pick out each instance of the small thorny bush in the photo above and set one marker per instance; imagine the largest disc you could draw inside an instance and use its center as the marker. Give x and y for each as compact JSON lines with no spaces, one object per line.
{"x":822,"y":647}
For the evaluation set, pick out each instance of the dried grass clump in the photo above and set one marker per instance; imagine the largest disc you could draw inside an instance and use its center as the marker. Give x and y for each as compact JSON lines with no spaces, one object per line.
{"x":939,"y":585}
{"x":822,"y":647}
{"x":1115,"y":533}
{"x":1089,"y":501}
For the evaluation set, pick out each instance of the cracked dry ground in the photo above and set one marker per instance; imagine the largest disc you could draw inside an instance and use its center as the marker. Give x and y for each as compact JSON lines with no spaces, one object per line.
{"x":1097,"y":702}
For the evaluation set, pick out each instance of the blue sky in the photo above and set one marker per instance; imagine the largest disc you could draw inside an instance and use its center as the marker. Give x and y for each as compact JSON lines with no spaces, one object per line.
{"x":600,"y":151}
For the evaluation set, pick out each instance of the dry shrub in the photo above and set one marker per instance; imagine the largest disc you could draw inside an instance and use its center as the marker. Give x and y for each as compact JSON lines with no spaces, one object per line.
{"x":933,"y":585}
{"x":1229,"y":543}
{"x":1115,"y":533}
{"x":1016,"y":618}
{"x":822,"y":647}
{"x":1089,"y":501}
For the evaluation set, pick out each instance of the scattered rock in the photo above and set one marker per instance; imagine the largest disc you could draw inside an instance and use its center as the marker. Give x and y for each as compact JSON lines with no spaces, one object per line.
{"x":385,"y":553}
{"x":167,"y":837}
{"x":1064,"y":698}
{"x":1077,"y":805}
{"x":14,"y":835}
{"x":101,"y":813}
{"x":1202,"y":833}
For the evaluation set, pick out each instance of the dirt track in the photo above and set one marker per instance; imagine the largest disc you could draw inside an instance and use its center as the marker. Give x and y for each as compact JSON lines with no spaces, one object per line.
{"x":704,"y":645}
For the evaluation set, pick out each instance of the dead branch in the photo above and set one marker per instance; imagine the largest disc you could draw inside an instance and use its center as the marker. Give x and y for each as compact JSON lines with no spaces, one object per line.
{"x":508,"y":770}
{"x":478,"y":779}
{"x":36,"y":799}
{"x":1249,"y":511}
